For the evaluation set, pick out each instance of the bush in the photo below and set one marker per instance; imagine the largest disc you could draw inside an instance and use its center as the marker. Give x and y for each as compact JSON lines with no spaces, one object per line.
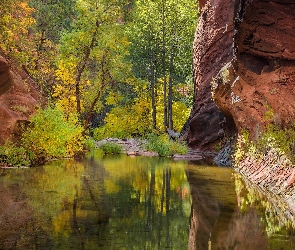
{"x":111,"y":148}
{"x":14,"y":156}
{"x":277,"y":138}
{"x":273,"y":138}
{"x":89,"y":143}
{"x":51,"y":135}
{"x":165,"y":146}
{"x":104,"y":132}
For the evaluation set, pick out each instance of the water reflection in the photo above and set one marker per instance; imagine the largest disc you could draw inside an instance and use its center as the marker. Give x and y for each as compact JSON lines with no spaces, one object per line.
{"x":120,"y":202}
{"x":101,"y":203}
{"x":229,"y":214}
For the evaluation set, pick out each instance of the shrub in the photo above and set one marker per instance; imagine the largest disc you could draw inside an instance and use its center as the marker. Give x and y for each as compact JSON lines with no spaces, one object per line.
{"x":14,"y":155}
{"x":278,"y":138}
{"x":52,"y":135}
{"x":89,"y":143}
{"x":111,"y":148}
{"x":273,"y":138}
{"x":165,"y":146}
{"x":104,"y":132}
{"x":177,"y":148}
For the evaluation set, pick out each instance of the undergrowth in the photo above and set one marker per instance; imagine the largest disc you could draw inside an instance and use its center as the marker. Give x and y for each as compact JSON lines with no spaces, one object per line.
{"x":14,"y":156}
{"x":50,"y":135}
{"x":111,"y":148}
{"x":281,"y":140}
{"x":164,"y":146}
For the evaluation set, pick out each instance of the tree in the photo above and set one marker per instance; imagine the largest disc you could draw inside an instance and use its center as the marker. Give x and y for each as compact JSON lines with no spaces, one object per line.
{"x":91,"y":57}
{"x":144,"y":33}
{"x":52,"y":18}
{"x":161,"y":34}
{"x":15,"y":21}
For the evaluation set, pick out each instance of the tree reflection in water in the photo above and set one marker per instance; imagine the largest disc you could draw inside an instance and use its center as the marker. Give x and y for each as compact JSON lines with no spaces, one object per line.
{"x":101,"y":203}
{"x":227,"y":214}
{"x":119,"y":202}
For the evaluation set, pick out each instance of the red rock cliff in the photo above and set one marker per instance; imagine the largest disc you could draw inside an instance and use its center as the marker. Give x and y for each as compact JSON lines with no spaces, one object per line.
{"x":18,"y":99}
{"x":244,"y":68}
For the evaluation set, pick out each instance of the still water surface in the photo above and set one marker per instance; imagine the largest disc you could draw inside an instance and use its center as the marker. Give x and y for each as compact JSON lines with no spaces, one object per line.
{"x":119,"y":202}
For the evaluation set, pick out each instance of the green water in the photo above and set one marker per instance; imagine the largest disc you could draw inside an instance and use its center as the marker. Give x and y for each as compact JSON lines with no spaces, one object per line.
{"x":120,"y":202}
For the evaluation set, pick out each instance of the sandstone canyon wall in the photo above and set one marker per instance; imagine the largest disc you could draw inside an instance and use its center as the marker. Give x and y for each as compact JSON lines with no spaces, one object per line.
{"x":244,"y":68}
{"x":18,"y":99}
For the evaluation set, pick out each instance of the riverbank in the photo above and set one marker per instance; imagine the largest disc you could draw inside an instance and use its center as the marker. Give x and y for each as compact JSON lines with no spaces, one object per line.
{"x":274,"y":173}
{"x":131,"y":147}
{"x":137,"y":147}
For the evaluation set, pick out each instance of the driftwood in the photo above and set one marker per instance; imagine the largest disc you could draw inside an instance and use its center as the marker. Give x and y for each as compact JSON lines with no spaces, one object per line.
{"x":172,"y":134}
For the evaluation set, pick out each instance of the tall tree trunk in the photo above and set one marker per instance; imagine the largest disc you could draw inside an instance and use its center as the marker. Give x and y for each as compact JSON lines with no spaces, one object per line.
{"x":81,"y":68}
{"x":153,"y":85}
{"x":40,"y":48}
{"x":164,"y":63}
{"x":170,"y":94}
{"x":150,"y":216}
{"x":104,"y":74}
{"x":162,"y":207}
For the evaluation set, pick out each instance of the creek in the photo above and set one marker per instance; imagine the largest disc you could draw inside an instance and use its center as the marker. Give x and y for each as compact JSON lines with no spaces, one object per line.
{"x":121,"y":202}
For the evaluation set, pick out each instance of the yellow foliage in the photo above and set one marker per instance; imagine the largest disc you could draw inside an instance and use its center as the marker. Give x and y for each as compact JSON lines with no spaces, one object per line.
{"x":66,"y":71}
{"x":113,"y":98}
{"x":15,"y":21}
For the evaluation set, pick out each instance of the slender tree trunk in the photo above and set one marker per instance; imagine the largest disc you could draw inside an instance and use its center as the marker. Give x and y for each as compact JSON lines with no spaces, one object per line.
{"x":40,"y":48}
{"x":150,"y":216}
{"x":154,"y":109}
{"x":164,"y":63}
{"x":170,"y":94}
{"x":162,"y":207}
{"x":81,"y":68}
{"x":104,"y":74}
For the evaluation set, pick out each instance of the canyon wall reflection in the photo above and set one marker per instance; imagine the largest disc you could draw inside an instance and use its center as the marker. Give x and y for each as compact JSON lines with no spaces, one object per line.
{"x":229,"y":213}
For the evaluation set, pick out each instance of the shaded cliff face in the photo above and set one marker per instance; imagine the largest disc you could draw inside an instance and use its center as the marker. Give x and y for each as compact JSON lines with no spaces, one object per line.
{"x":244,"y":66}
{"x":18,"y":99}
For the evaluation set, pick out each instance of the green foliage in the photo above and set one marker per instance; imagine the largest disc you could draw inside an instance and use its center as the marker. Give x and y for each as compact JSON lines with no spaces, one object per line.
{"x":89,"y":143}
{"x":52,"y":135}
{"x":161,"y":35}
{"x":104,"y":132}
{"x":90,"y":57}
{"x":273,"y":138}
{"x":13,"y":155}
{"x":241,"y":146}
{"x":129,"y":118}
{"x":126,"y":121}
{"x":80,"y":53}
{"x":279,"y":138}
{"x":111,"y":148}
{"x":165,"y":146}
{"x":52,"y":17}
{"x":162,"y":27}
{"x":177,"y":148}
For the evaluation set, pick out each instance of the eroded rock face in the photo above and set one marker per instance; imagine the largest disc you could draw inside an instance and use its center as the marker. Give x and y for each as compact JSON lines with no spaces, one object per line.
{"x":18,"y":99}
{"x":260,"y":87}
{"x":244,"y":54}
{"x":212,"y":49}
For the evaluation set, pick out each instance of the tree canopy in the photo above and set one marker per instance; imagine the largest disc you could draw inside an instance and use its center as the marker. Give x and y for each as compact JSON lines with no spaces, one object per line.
{"x":119,"y":66}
